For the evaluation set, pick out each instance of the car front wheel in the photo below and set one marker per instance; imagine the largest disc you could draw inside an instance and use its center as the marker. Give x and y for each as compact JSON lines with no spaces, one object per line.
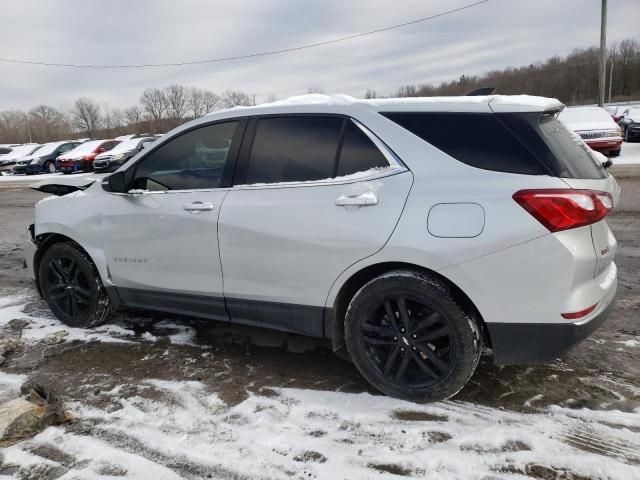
{"x":410,"y":337}
{"x":50,"y":167}
{"x":71,"y":285}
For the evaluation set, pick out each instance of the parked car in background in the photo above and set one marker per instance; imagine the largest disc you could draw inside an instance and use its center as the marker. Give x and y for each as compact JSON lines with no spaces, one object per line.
{"x":81,"y":158}
{"x":375,"y":224}
{"x":595,"y":126}
{"x":630,"y":124}
{"x":8,"y":160}
{"x":616,"y":111}
{"x":44,"y":158}
{"x":7,"y":147}
{"x":133,"y":135}
{"x":113,"y":159}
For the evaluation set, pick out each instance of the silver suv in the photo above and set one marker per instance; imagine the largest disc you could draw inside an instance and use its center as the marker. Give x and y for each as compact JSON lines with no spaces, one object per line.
{"x":410,"y":231}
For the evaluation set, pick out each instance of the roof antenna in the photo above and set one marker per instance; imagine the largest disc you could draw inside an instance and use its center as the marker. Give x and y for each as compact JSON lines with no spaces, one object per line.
{"x":480,"y":91}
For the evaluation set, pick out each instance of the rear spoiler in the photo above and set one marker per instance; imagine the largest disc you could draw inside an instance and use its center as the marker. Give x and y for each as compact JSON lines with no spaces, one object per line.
{"x":60,"y":189}
{"x":480,"y":92}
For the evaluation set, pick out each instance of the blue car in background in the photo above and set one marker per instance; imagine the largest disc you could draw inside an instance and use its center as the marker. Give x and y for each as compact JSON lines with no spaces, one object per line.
{"x":44,"y":159}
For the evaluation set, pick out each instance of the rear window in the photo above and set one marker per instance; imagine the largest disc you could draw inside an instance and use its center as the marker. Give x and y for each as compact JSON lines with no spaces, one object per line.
{"x":525,"y":143}
{"x":477,"y":139}
{"x":568,"y":146}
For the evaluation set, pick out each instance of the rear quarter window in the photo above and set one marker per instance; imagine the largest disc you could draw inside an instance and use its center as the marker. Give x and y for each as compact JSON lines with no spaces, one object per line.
{"x":477,"y":139}
{"x":527,"y":143}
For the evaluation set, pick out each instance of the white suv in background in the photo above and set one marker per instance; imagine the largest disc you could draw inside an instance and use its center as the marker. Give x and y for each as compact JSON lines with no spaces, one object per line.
{"x":410,"y":231}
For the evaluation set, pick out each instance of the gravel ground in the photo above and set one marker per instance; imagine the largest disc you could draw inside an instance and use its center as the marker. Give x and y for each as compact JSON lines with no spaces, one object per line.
{"x":602,"y":373}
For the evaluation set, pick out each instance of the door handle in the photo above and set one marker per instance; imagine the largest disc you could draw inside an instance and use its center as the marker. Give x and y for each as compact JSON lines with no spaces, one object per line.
{"x":197,"y":207}
{"x":366,"y":199}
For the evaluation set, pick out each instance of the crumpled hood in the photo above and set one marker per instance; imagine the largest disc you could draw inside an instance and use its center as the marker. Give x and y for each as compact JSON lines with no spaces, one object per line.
{"x":64,"y":185}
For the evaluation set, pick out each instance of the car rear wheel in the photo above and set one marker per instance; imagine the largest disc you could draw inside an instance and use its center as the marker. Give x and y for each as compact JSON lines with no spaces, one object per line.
{"x":615,"y":153}
{"x":50,"y":167}
{"x":71,"y":285}
{"x":410,"y":338}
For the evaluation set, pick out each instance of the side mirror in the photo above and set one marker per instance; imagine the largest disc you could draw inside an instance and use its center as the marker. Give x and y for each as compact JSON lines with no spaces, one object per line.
{"x":115,"y":183}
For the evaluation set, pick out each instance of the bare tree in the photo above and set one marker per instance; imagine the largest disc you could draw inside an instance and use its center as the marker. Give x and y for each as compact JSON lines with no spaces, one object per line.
{"x":154,"y":104}
{"x":113,"y":119}
{"x":235,"y":98}
{"x":133,"y":117}
{"x":272,"y":98}
{"x":13,"y":127}
{"x":85,"y":116}
{"x":315,"y":89}
{"x":47,"y":123}
{"x":370,"y":93}
{"x":211,"y":101}
{"x":176,"y":102}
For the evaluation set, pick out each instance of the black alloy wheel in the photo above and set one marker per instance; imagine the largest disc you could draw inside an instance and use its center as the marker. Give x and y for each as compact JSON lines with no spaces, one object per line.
{"x":71,"y":285}
{"x":408,"y":342}
{"x":411,"y":337}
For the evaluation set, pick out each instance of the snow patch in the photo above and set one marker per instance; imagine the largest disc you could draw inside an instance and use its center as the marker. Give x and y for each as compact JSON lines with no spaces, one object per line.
{"x":295,"y":433}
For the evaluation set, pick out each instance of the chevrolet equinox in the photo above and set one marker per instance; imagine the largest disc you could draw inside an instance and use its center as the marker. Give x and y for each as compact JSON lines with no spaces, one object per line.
{"x":410,"y":232}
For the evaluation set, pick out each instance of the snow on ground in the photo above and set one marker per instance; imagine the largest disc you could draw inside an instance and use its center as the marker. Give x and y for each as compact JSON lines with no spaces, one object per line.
{"x":42,"y":326}
{"x":292,"y":433}
{"x":159,"y":429}
{"x":629,"y":154}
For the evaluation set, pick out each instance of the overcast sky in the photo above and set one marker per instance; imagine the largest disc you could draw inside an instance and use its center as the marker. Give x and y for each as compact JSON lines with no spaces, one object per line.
{"x":492,"y":35}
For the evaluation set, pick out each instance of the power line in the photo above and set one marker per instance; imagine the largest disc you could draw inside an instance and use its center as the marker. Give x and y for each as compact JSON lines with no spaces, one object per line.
{"x":250,"y":55}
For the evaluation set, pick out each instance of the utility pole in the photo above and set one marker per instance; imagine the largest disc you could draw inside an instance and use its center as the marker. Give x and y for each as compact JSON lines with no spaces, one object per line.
{"x":610,"y":79}
{"x":603,"y":53}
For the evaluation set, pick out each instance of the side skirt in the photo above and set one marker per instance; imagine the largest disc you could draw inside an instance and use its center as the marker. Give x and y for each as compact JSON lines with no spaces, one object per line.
{"x":302,"y":319}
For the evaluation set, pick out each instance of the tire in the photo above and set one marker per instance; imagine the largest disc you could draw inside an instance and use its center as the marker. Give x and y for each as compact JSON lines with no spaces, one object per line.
{"x":49,"y":167}
{"x":615,"y":153}
{"x":71,"y":286}
{"x":439,"y":347}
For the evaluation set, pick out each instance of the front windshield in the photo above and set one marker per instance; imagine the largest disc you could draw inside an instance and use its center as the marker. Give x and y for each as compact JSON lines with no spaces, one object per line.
{"x":634,"y":112}
{"x":22,"y":151}
{"x":47,"y":148}
{"x":125,"y":146}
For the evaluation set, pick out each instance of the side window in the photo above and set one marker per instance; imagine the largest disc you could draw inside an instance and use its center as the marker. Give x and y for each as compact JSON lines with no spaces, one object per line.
{"x":294,"y":149}
{"x":192,"y":160}
{"x":358,"y":153}
{"x":477,"y":139}
{"x":66,"y":147}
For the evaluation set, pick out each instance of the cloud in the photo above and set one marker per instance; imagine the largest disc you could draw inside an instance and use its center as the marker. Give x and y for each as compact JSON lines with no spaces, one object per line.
{"x":493,"y":35}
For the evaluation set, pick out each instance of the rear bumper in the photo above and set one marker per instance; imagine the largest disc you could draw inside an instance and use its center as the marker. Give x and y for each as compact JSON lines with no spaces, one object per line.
{"x":525,"y":343}
{"x":605,"y":144}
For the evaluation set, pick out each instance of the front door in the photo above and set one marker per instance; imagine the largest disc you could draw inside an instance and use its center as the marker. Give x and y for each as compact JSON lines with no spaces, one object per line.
{"x":161,"y":239}
{"x":314,"y":195}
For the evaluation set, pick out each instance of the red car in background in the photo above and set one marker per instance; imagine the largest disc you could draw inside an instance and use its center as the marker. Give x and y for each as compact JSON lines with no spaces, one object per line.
{"x":81,"y":158}
{"x":595,"y":126}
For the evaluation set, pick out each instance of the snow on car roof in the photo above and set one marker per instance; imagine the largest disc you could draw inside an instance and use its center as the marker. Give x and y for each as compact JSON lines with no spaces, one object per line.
{"x":503,"y":103}
{"x":87,"y":147}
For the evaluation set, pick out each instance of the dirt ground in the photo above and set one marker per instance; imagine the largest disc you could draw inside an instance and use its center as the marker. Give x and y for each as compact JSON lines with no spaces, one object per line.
{"x":602,"y":373}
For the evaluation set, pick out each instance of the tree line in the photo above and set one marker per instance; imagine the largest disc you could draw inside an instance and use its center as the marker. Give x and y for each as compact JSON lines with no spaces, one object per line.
{"x":572,"y":79}
{"x":159,"y":110}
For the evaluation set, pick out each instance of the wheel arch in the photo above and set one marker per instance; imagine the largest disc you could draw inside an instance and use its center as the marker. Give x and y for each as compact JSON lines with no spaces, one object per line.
{"x":335,"y":323}
{"x":48,"y":239}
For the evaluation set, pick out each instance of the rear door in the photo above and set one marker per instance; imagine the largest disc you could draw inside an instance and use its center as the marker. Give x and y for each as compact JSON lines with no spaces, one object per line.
{"x":312,"y":195}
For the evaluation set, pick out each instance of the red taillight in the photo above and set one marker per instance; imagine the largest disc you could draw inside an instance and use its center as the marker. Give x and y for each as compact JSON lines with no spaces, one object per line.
{"x":562,"y":209}
{"x":580,"y":314}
